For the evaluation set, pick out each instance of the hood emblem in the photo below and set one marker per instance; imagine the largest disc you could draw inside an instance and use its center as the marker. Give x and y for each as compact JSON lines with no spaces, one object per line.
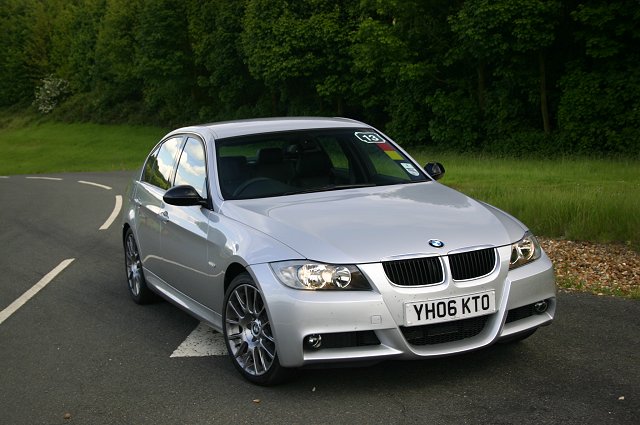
{"x":436,"y":243}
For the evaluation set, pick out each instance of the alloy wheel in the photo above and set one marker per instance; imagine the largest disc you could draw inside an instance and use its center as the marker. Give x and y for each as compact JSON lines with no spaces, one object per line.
{"x":248,"y":330}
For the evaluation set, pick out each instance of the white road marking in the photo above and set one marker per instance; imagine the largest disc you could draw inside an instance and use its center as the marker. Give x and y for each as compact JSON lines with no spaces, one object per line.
{"x":102,"y":186}
{"x":203,"y":341}
{"x":114,"y":213}
{"x":44,"y":178}
{"x":4,"y":177}
{"x":14,"y":306}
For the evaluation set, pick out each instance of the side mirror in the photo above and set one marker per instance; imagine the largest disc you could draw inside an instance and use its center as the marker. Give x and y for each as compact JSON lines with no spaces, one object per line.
{"x":435,"y":170}
{"x":183,"y":196}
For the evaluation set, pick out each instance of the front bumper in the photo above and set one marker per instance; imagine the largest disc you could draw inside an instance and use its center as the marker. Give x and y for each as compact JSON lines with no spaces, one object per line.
{"x":370,"y":323}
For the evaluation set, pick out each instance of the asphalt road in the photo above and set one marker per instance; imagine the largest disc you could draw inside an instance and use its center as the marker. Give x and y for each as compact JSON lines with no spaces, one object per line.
{"x":81,"y":347}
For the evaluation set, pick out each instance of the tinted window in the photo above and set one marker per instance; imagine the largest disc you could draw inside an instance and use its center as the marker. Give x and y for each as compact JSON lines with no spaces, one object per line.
{"x":191,"y":168}
{"x":157,"y":170}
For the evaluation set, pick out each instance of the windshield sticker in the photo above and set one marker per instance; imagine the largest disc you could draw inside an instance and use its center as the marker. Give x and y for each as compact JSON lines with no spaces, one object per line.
{"x":391,"y":151}
{"x":410,"y":169}
{"x":369,"y":137}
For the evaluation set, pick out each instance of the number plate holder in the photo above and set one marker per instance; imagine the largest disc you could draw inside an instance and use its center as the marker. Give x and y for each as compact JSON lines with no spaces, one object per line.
{"x":448,"y":309}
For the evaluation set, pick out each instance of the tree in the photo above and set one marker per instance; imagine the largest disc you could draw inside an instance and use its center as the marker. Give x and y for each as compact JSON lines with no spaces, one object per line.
{"x":16,"y":86}
{"x":599,"y":110}
{"x":229,"y":89}
{"x":493,"y":32}
{"x":117,"y":79}
{"x":299,"y":50}
{"x":397,"y":50}
{"x":73,"y":42}
{"x":164,"y":60}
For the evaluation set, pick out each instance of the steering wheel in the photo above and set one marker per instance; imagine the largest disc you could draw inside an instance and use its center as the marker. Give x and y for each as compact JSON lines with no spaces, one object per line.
{"x":251,"y":182}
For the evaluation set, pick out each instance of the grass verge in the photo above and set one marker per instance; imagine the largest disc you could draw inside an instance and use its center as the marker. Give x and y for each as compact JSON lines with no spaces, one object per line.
{"x":569,"y":198}
{"x":35,"y":148}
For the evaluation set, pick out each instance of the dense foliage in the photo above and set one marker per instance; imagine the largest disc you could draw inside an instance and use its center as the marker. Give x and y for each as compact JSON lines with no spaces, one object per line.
{"x":509,"y":76}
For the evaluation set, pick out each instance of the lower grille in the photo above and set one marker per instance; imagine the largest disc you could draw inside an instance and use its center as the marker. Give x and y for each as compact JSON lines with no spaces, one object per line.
{"x":440,"y":333}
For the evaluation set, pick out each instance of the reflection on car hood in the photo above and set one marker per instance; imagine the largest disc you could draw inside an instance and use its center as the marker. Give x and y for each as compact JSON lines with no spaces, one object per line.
{"x":378,"y":223}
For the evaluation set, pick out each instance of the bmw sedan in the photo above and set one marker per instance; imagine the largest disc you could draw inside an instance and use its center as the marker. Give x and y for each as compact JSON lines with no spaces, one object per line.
{"x":313,"y":241}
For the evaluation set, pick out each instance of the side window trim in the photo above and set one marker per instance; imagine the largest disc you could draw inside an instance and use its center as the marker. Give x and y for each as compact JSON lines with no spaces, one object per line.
{"x":176,"y":160}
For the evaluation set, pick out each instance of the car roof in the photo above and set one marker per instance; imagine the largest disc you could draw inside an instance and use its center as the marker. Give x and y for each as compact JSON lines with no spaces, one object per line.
{"x":270,"y":125}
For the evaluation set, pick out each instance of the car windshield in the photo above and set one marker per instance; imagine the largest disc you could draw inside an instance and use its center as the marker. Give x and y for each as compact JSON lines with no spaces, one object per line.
{"x":275,"y":164}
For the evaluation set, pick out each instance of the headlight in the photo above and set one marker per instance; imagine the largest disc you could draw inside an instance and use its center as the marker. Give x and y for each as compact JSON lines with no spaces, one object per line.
{"x":318,"y":276}
{"x":524,"y":251}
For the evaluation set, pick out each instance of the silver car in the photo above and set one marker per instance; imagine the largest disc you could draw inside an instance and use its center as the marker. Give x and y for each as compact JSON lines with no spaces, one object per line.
{"x":313,"y":240}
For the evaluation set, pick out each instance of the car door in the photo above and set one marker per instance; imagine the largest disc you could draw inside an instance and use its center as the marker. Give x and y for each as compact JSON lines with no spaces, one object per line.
{"x":155,"y":180}
{"x":184,"y":235}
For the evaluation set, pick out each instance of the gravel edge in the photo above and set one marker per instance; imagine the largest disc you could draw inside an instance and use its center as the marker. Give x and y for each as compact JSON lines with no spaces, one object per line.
{"x":601,"y":269}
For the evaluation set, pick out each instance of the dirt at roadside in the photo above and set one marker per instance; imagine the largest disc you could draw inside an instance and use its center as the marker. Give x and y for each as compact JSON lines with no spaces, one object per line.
{"x":603,"y":269}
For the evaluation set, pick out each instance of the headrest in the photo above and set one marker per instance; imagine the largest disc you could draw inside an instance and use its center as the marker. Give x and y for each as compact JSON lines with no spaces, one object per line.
{"x":270,"y":156}
{"x":232,"y":166}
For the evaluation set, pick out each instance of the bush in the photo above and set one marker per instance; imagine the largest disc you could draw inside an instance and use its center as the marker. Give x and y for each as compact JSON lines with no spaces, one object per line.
{"x":51,"y":92}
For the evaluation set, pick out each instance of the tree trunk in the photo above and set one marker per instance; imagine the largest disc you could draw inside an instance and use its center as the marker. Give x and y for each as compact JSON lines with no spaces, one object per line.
{"x":274,"y":103}
{"x":482,"y":89}
{"x":544,"y":105}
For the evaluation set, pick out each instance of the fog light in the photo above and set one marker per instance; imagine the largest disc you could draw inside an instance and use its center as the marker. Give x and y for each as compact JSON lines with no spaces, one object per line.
{"x":314,"y":341}
{"x":541,"y":306}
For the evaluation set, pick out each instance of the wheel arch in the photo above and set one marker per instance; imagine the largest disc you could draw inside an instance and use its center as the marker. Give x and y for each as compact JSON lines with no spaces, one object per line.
{"x":232,"y":271}
{"x":125,"y":227}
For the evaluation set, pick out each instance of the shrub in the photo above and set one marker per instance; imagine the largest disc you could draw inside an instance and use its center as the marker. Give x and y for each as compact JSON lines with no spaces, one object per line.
{"x":50,"y":93}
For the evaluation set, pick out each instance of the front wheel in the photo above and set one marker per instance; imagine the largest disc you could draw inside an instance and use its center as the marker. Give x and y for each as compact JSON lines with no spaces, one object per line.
{"x":138,"y":288}
{"x":248,"y":333}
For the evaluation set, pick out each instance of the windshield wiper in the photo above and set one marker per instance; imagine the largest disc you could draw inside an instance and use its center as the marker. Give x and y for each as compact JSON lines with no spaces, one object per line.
{"x":331,"y":187}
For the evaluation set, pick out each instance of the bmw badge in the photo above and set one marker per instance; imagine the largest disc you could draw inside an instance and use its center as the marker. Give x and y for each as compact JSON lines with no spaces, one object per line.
{"x":436,"y":243}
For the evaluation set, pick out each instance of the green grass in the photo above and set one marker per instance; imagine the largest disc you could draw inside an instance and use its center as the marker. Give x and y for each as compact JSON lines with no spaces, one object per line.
{"x":572,"y":198}
{"x":580,"y":199}
{"x":56,"y":147}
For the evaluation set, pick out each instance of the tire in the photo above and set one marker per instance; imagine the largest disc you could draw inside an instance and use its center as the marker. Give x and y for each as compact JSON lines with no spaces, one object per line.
{"x":514,"y":339}
{"x":248,"y":334}
{"x":138,"y":289}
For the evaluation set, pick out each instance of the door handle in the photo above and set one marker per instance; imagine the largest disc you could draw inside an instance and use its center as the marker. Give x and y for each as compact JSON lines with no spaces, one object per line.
{"x":163,"y":216}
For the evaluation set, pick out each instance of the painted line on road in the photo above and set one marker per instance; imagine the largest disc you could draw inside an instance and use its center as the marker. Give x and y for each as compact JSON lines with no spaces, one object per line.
{"x":14,"y":306}
{"x":202,"y":342}
{"x":114,"y":213}
{"x":102,"y":186}
{"x":4,"y":177}
{"x":44,"y":178}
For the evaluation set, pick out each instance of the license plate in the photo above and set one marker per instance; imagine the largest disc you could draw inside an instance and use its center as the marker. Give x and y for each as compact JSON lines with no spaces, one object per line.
{"x":447,"y":309}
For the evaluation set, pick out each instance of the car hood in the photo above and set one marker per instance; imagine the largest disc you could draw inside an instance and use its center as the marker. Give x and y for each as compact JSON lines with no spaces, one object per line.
{"x":374,"y":224}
